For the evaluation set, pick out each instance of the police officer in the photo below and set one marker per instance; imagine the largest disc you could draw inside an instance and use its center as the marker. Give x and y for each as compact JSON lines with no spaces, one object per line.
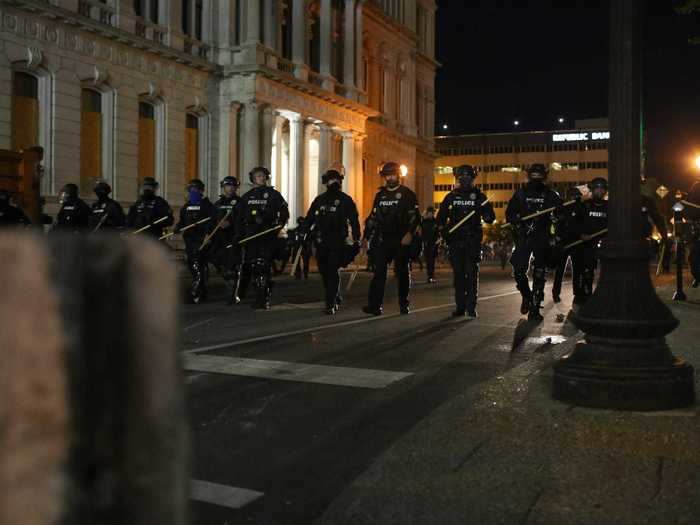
{"x":229,"y":260}
{"x":11,"y":215}
{"x":149,"y":209}
{"x":567,"y":234}
{"x":593,"y":220}
{"x":196,"y":208}
{"x":74,"y":215}
{"x":693,"y":215}
{"x":262,"y":208}
{"x":429,"y":234}
{"x":532,"y":237}
{"x":299,"y":239}
{"x":392,"y":222}
{"x":107,"y":214}
{"x":464,"y":243}
{"x":328,"y":220}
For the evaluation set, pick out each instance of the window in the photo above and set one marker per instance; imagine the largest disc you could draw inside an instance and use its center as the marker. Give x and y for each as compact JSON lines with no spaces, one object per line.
{"x":147,"y":141}
{"x":192,"y":16}
{"x":147,"y":9}
{"x":91,"y":140}
{"x":25,"y":111}
{"x":191,"y":148}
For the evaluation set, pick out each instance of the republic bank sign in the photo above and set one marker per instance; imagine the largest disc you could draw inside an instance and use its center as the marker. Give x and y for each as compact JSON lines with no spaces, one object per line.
{"x":581,"y":137}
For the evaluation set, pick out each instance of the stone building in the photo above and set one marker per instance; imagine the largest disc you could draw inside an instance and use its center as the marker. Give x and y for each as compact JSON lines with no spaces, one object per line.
{"x":119,"y":90}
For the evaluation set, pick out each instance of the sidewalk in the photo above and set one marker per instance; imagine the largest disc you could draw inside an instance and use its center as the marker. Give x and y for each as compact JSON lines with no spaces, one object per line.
{"x":505,"y":452}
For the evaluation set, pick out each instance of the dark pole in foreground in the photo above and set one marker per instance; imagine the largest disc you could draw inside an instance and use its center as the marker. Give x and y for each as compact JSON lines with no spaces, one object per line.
{"x":678,"y":234}
{"x":624,"y":362}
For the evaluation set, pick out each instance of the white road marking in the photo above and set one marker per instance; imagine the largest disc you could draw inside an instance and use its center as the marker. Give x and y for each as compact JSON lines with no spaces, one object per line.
{"x":223,"y":495}
{"x":287,"y":371}
{"x":320,"y":328}
{"x":200,"y":323}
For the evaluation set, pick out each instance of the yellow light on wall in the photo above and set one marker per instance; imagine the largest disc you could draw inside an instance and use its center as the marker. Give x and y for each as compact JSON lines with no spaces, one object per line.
{"x":697,"y":162}
{"x":404,"y":170}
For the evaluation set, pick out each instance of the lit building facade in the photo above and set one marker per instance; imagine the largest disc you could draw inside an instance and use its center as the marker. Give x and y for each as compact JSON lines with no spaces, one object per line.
{"x":119,"y":90}
{"x":574,"y":157}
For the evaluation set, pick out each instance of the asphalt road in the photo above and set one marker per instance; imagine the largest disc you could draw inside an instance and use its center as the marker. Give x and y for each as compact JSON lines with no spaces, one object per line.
{"x":288,"y":406}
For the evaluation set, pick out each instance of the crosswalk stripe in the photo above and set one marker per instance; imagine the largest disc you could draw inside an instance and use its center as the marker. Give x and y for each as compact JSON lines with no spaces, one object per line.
{"x":222,"y":495}
{"x":287,"y":371}
{"x":319,"y":328}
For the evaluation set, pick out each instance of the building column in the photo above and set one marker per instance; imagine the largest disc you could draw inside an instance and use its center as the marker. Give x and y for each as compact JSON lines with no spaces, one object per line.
{"x":359,"y":48}
{"x":270,"y":21}
{"x":268,"y":127}
{"x":252,"y":21}
{"x":276,"y":166}
{"x":251,"y":136}
{"x":297,"y":148}
{"x":349,"y":162}
{"x":310,"y":173}
{"x":349,"y":47}
{"x":301,"y":70}
{"x":325,"y":23}
{"x":357,"y":188}
{"x":233,"y":140}
{"x":325,"y":143}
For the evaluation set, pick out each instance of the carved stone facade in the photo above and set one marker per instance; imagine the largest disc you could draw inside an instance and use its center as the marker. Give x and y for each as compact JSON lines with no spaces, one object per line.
{"x":296,"y":85}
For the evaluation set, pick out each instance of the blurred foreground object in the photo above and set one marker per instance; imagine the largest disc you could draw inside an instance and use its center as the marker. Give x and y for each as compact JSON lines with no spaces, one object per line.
{"x":92,"y":426}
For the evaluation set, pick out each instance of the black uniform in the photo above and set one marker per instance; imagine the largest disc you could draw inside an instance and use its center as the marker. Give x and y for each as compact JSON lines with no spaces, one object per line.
{"x":148,"y":209}
{"x":74,"y":216}
{"x":532,"y":238}
{"x":191,"y":213}
{"x":298,"y":239}
{"x":394,"y":214}
{"x":567,"y":233}
{"x":228,"y":260}
{"x":328,"y":219}
{"x":429,"y":235}
{"x":262,"y":208}
{"x":11,"y":216}
{"x":465,"y":242}
{"x":593,"y":219}
{"x":108,"y":214}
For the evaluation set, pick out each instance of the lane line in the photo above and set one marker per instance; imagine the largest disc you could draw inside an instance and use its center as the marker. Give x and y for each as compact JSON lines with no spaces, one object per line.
{"x":200,"y":323}
{"x":299,"y":372}
{"x":320,"y":328}
{"x":222,"y":495}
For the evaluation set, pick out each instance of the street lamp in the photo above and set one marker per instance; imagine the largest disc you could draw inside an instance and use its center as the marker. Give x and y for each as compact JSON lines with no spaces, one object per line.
{"x":561,"y":120}
{"x":444,"y":126}
{"x":516,"y":123}
{"x":624,"y":362}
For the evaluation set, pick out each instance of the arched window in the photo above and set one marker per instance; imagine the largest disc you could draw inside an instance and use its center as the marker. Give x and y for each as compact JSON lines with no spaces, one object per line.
{"x":147,"y":141}
{"x":191,"y":147}
{"x":91,"y":139}
{"x":25,"y":111}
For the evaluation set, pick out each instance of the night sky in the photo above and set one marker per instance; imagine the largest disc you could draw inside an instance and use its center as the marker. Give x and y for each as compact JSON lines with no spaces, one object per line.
{"x":535,"y":63}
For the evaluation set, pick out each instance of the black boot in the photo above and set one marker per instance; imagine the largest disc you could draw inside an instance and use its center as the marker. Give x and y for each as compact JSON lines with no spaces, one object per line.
{"x":525,"y":305}
{"x":373,"y":310}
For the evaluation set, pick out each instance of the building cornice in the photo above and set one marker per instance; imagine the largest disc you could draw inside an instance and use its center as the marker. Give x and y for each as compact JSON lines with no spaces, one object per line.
{"x":304,"y":87}
{"x":374,"y":10}
{"x":54,"y":14}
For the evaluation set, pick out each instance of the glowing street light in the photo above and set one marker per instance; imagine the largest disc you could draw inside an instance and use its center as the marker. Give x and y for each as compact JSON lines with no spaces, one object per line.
{"x":561,"y":120}
{"x":516,"y":123}
{"x":404,"y":170}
